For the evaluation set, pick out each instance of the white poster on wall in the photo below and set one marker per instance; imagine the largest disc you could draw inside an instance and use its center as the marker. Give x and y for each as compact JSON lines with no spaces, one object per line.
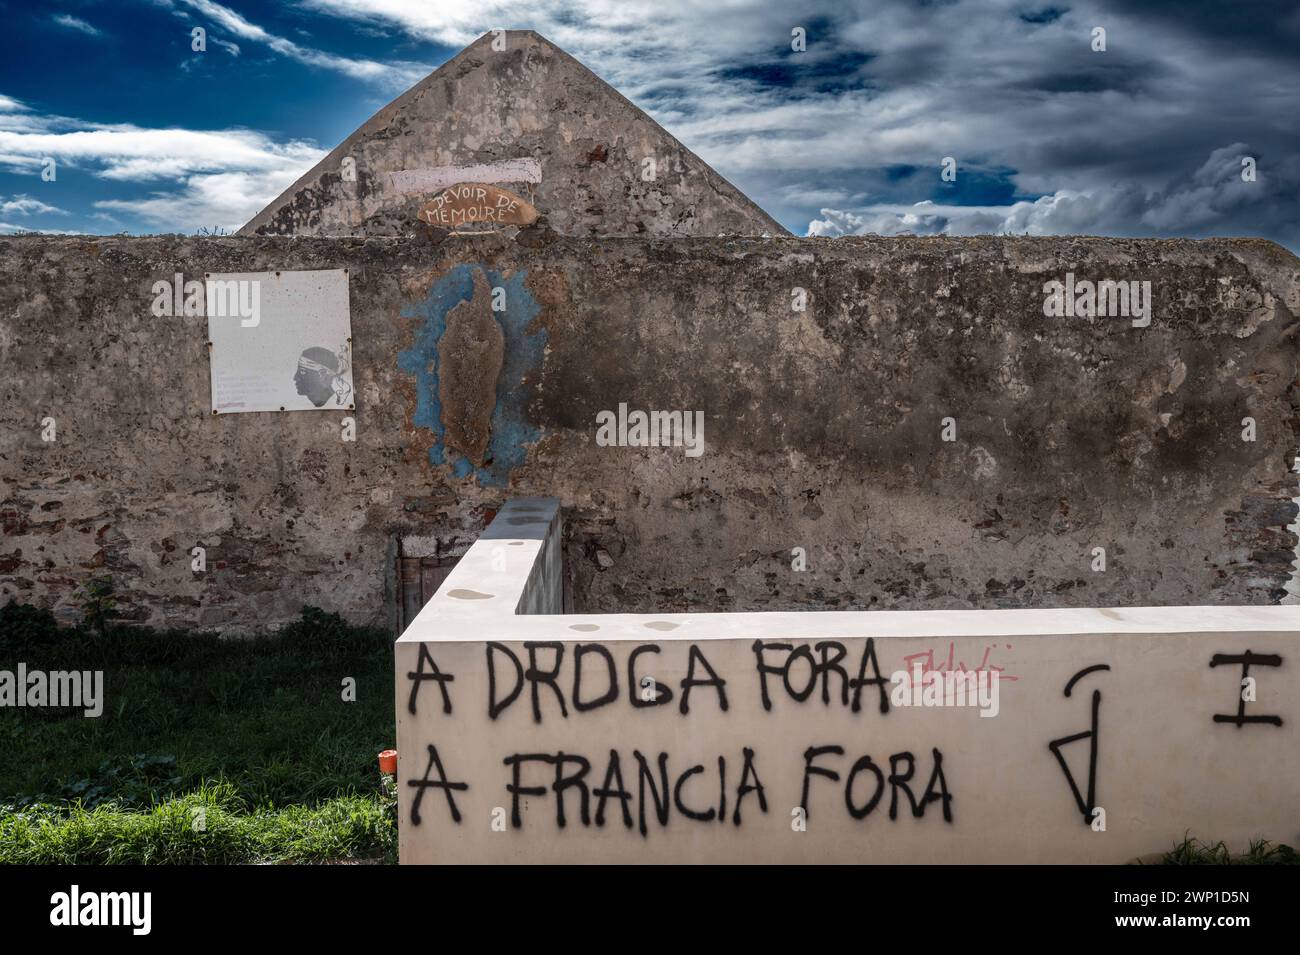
{"x":279,"y":341}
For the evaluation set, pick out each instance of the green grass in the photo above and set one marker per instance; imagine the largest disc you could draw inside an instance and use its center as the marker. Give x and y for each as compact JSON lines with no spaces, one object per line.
{"x":254,"y":731}
{"x":1261,"y":852}
{"x":206,"y":826}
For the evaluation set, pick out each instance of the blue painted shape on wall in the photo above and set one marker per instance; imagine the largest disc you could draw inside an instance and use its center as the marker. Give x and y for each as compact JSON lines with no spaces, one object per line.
{"x":511,"y":430}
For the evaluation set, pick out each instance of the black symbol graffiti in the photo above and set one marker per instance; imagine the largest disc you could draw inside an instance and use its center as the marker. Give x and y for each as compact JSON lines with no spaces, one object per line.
{"x":1240,"y":719}
{"x":1086,"y":805}
{"x":421,"y":785}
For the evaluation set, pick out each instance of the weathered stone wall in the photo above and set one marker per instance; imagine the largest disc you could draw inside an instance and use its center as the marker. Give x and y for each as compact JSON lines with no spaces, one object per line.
{"x":533,"y":119}
{"x":822,"y":427}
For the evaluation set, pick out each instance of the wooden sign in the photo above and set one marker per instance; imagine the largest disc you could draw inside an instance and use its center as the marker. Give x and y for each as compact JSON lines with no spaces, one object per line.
{"x":478,"y":204}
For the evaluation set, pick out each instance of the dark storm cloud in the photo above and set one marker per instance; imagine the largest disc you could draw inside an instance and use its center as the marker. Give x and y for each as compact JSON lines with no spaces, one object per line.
{"x":796,"y":74}
{"x":1257,"y":27}
{"x":1143,"y":138}
{"x":1046,"y":15}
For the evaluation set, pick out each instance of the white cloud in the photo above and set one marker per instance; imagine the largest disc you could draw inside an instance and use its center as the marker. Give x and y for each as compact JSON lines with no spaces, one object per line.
{"x":10,"y":228}
{"x":75,"y":23}
{"x":455,"y":22}
{"x":1213,"y":195}
{"x":226,"y":200}
{"x":206,"y":177}
{"x":1062,"y":213}
{"x":26,"y":206}
{"x":133,"y":153}
{"x":397,"y":75}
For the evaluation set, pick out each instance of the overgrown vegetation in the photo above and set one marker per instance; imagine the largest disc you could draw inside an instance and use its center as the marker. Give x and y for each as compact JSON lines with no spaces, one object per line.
{"x":253,"y":732}
{"x":1261,"y":852}
{"x":98,"y":604}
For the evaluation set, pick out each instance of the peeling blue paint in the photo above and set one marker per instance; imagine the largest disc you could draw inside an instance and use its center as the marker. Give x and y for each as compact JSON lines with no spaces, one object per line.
{"x":512,"y":433}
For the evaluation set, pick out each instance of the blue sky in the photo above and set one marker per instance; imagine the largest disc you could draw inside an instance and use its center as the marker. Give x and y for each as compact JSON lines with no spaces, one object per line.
{"x":1050,"y":136}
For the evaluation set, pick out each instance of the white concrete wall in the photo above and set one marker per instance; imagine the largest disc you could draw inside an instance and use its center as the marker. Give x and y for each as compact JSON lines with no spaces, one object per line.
{"x":953,"y":785}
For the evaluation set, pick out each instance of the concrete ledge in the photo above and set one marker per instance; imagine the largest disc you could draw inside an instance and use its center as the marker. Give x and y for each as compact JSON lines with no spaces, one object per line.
{"x":526,"y":735}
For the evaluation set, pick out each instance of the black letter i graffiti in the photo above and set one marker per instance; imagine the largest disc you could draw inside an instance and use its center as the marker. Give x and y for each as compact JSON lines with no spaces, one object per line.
{"x":1246,"y":660}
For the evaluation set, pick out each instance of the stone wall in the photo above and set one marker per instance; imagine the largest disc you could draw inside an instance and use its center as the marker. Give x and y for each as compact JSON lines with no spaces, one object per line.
{"x":823,"y":428}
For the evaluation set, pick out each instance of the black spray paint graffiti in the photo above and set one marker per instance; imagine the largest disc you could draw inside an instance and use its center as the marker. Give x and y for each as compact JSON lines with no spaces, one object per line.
{"x":661,"y":797}
{"x":658,"y":791}
{"x":799,"y":673}
{"x":539,"y":674}
{"x":571,"y":781}
{"x":936,"y":789}
{"x":425,"y":783}
{"x":420,"y":674}
{"x":822,"y":667}
{"x":1088,"y":805}
{"x":1247,"y":659}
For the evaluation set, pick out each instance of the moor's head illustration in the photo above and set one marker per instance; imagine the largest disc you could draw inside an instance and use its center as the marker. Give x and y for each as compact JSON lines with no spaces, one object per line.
{"x":321,"y":375}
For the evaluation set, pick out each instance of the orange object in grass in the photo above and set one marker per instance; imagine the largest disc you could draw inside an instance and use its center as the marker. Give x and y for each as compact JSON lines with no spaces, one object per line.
{"x":388,"y":762}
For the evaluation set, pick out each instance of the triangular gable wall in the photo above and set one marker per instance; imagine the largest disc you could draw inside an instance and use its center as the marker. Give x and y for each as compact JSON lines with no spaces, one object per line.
{"x":532,"y":120}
